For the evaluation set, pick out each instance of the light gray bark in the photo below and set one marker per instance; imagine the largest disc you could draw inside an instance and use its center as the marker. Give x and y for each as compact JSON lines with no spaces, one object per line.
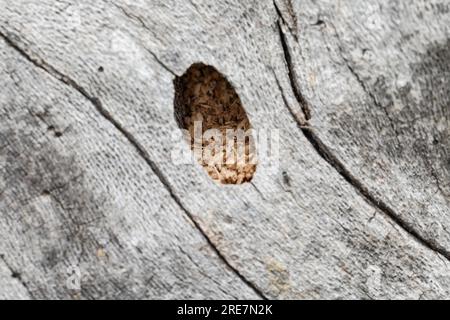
{"x":358,"y":209}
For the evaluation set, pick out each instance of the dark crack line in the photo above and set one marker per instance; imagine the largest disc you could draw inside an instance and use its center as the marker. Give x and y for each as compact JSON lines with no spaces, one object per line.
{"x":40,"y":63}
{"x":280,"y":15}
{"x":162,"y":64}
{"x":371,"y":95}
{"x":257,"y":190}
{"x":290,"y":10}
{"x":361,"y":82}
{"x":199,"y":269}
{"x":142,"y":23}
{"x":292,"y":74}
{"x":326,"y":153}
{"x":16,"y":275}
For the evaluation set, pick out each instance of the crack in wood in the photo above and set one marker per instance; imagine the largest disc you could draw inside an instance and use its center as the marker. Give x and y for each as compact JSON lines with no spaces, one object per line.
{"x":327,"y":154}
{"x":162,"y":64}
{"x":142,"y":23}
{"x":42,"y":64}
{"x":258,"y":191}
{"x":292,"y":74}
{"x":16,"y":275}
{"x":290,"y":10}
{"x":204,"y":274}
{"x":360,"y":81}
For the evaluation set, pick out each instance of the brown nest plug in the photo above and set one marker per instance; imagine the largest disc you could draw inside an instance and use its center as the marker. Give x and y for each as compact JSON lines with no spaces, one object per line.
{"x":208,"y":107}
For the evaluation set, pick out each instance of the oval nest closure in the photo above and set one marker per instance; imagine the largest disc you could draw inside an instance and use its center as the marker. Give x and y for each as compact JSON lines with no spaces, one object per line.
{"x":209,"y":110}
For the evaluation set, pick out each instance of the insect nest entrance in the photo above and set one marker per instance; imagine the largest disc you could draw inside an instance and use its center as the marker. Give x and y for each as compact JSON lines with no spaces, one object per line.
{"x":211,"y":112}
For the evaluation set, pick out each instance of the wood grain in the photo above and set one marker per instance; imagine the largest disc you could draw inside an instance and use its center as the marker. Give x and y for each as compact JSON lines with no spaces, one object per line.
{"x":358,"y":207}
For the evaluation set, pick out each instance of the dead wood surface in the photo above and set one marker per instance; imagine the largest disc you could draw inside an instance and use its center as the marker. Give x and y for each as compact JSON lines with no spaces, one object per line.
{"x":359,"y":208}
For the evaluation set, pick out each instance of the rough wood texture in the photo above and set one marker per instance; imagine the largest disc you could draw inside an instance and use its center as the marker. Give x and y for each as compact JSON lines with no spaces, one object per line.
{"x":359,"y":207}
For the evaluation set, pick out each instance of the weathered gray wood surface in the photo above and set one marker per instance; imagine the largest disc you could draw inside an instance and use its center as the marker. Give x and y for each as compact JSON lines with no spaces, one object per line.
{"x":359,"y":207}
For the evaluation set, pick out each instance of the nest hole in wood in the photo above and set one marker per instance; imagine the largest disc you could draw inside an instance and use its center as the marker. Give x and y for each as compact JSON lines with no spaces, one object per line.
{"x":211,"y":114}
